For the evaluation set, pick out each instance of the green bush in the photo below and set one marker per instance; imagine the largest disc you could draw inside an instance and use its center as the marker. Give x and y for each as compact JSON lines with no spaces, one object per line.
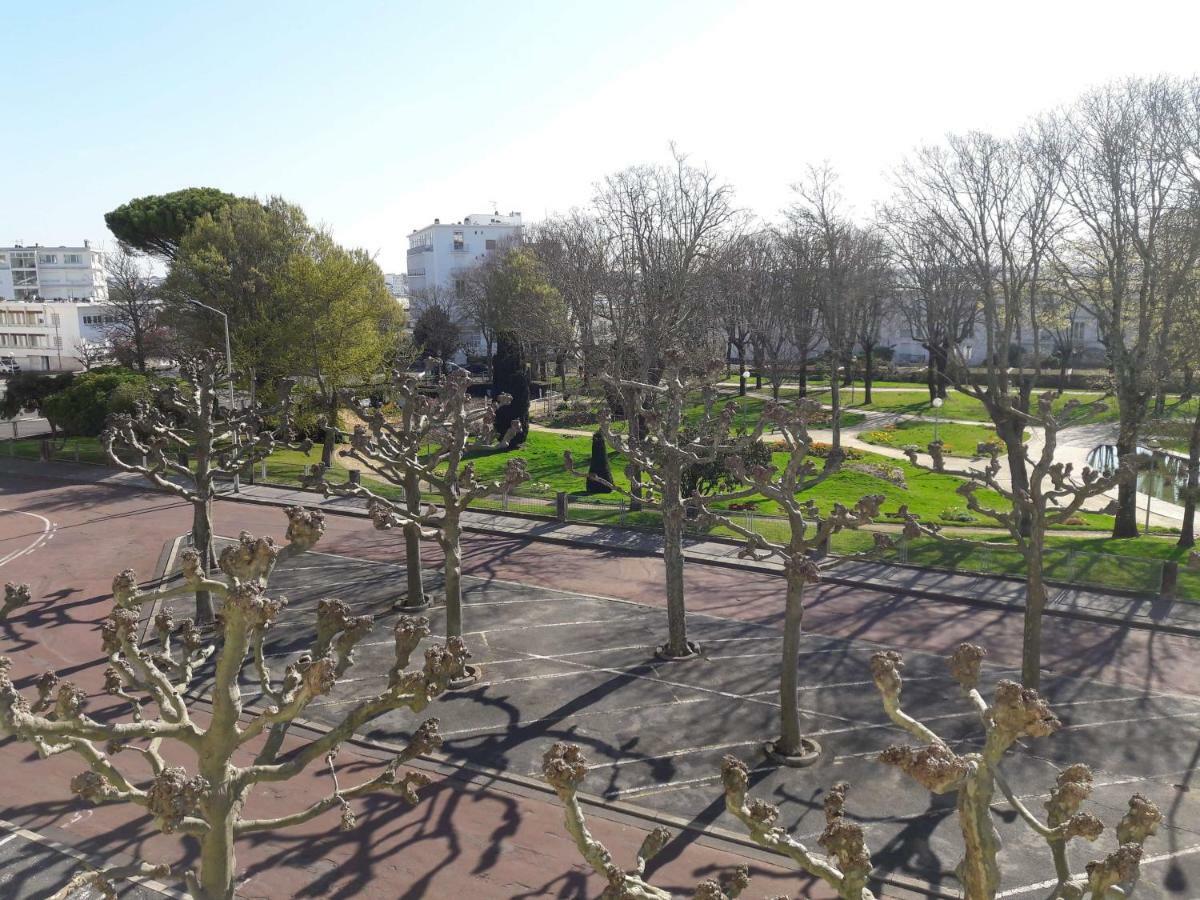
{"x":83,"y":406}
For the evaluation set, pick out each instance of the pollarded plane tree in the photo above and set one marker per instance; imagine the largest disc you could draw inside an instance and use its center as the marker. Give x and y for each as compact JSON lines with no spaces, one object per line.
{"x":187,"y":442}
{"x":430,"y":444}
{"x":1015,"y":714}
{"x":565,"y":768}
{"x":207,"y":802}
{"x":1051,"y":495}
{"x":810,"y":532}
{"x":658,"y":455}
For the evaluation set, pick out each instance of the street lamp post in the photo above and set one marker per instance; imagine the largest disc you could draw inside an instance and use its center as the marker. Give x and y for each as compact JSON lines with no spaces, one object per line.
{"x":937,"y":415}
{"x":237,"y":485}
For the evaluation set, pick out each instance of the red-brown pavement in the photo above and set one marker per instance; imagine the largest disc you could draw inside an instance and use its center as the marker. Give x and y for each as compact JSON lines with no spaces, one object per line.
{"x":491,"y":841}
{"x":469,"y":840}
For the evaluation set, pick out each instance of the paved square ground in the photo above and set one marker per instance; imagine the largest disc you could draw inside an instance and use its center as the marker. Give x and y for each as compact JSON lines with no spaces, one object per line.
{"x":565,"y":666}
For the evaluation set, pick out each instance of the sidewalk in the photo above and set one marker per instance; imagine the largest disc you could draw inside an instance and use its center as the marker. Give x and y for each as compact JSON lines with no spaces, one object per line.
{"x":1085,"y":604}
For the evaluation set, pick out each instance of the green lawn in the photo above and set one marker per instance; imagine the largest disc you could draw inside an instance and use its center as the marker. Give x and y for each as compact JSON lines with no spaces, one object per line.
{"x":958,"y":440}
{"x":1124,"y":563}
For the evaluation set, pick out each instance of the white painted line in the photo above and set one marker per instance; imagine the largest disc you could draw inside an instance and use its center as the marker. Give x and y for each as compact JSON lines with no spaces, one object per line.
{"x":671,"y":754}
{"x":47,"y":532}
{"x":648,"y":790}
{"x":1146,"y":860}
{"x":521,"y":723}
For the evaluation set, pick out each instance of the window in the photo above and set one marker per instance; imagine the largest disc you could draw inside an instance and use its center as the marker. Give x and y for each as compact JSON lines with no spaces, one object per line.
{"x":460,"y":287}
{"x":459,"y":241}
{"x":490,"y":244}
{"x":22,"y":259}
{"x":25,"y":278}
{"x":3,"y":259}
{"x":1078,"y":331}
{"x":73,"y":259}
{"x":48,"y":259}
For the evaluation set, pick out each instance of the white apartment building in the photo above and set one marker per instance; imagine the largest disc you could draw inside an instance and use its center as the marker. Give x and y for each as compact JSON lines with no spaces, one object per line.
{"x":51,"y":336}
{"x":52,"y":273}
{"x":440,"y":254}
{"x":51,"y":304}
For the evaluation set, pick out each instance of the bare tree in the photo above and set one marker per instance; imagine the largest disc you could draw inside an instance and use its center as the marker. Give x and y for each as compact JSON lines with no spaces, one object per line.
{"x":661,"y":223}
{"x":658,"y":456}
{"x":810,"y":533}
{"x":573,"y":250}
{"x":208,"y":804}
{"x":430,"y":444}
{"x":133,"y":303}
{"x":873,"y":310}
{"x":801,"y":296}
{"x":1133,"y":237}
{"x":973,"y":777}
{"x":565,"y":768}
{"x":847,"y":259}
{"x":187,"y":442}
{"x":1014,"y":713}
{"x":1051,"y":495}
{"x":937,"y":300}
{"x":992,"y":205}
{"x":90,"y":353}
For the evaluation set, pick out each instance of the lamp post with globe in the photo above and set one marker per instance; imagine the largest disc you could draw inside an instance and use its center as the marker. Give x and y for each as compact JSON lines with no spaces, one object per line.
{"x":937,"y":415}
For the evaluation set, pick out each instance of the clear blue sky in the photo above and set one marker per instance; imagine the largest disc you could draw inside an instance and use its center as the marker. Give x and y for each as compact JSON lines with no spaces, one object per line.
{"x":376,"y":117}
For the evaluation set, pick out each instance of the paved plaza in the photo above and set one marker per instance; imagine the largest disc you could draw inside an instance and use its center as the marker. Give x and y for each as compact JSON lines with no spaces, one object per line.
{"x":568,"y":666}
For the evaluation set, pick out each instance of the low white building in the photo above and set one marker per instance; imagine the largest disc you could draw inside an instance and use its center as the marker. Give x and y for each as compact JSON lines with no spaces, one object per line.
{"x":439,"y":255}
{"x":53,"y":273}
{"x":51,"y":336}
{"x":52,"y":305}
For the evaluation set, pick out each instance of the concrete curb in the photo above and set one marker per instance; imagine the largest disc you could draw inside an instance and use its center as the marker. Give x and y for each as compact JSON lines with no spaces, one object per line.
{"x":828,"y":576}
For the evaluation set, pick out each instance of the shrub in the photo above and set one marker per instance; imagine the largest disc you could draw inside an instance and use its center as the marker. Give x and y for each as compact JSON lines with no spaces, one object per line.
{"x":821,"y":450}
{"x":956,"y":514}
{"x":892,"y":474}
{"x":86,"y":403}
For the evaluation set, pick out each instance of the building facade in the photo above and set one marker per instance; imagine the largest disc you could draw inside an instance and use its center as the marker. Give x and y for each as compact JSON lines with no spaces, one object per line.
{"x":439,"y":256}
{"x":53,"y":273}
{"x":51,"y":336}
{"x":52,"y":305}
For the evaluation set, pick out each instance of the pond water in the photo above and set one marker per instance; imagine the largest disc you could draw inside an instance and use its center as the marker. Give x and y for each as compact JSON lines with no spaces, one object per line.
{"x":1165,"y":479}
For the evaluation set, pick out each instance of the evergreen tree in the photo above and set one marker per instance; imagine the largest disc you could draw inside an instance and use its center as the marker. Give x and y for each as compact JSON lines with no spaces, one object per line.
{"x":509,"y":377}
{"x":599,"y":472}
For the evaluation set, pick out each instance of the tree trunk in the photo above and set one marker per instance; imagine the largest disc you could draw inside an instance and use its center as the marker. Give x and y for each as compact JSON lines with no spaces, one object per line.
{"x":868,"y":371}
{"x":835,"y":402}
{"x":415,"y":595}
{"x":789,"y":708}
{"x":1125,"y":523}
{"x":803,"y":373}
{"x":741,"y":370}
{"x":1035,"y":607}
{"x":978,"y":871}
{"x":1187,"y":535}
{"x":139,"y":349}
{"x":330,"y":433}
{"x":672,"y":523}
{"x":452,"y":548}
{"x":202,"y":541}
{"x":218,"y":867}
{"x":1011,"y":431}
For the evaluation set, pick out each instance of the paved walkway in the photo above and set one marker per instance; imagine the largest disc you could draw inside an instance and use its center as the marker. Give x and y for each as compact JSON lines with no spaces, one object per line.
{"x":979,"y":590}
